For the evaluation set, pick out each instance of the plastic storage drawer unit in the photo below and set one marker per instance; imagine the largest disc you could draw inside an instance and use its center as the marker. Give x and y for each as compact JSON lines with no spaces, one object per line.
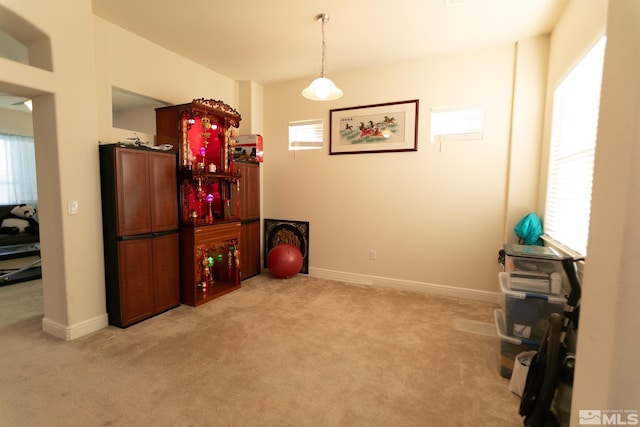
{"x":534,"y":268}
{"x":510,"y":346}
{"x":526,"y":314}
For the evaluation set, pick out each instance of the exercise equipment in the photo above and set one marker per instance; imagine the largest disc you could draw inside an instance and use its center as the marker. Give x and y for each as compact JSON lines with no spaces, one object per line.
{"x":554,"y":363}
{"x":284,"y":261}
{"x":11,"y":275}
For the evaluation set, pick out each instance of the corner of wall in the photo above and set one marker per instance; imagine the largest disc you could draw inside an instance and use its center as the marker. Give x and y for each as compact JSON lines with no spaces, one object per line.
{"x":71,"y":332}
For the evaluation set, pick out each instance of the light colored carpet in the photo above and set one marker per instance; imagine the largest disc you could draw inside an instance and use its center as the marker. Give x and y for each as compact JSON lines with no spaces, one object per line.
{"x":296,"y":352}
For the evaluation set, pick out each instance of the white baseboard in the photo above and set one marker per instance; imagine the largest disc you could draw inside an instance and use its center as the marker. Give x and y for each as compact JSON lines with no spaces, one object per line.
{"x":77,"y":330}
{"x":407,"y":285}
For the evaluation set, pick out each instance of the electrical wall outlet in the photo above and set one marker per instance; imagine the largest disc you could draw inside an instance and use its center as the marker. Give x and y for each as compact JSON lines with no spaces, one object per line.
{"x":372,"y":254}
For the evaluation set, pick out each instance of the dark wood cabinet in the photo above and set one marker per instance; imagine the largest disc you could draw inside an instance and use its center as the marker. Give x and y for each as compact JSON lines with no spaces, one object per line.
{"x":163,"y":197}
{"x":250,"y":243}
{"x":209,"y":212}
{"x":248,"y":199}
{"x":210,"y":260}
{"x":131,"y":292}
{"x":140,"y":231}
{"x":249,"y":192}
{"x":131,"y":189}
{"x":166,"y":274}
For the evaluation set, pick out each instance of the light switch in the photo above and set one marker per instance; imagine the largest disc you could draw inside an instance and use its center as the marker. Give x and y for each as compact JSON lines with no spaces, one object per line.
{"x":72,"y":207}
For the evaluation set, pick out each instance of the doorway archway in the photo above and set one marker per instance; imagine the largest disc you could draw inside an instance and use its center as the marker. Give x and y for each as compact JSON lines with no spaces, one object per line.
{"x":24,"y":45}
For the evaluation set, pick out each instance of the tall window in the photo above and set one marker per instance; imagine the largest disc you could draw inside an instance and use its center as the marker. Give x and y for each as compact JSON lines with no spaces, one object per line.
{"x":17,"y":170}
{"x":574,"y":129}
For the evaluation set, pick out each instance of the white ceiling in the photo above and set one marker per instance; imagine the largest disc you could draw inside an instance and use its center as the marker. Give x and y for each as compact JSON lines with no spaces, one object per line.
{"x":269,"y":41}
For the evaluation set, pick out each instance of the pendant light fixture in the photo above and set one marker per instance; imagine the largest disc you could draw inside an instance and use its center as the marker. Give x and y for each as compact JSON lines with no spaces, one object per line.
{"x":322,"y":89}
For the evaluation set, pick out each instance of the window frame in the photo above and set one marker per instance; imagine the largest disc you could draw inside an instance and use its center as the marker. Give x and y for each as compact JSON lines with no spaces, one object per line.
{"x":307,"y":134}
{"x":576,"y":101}
{"x":458,"y":123}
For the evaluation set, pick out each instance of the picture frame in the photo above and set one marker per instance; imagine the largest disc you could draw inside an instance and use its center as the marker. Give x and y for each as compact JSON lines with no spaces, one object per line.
{"x":376,"y":128}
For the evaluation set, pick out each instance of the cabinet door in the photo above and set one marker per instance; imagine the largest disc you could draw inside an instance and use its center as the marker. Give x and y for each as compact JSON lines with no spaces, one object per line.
{"x":132,"y":192}
{"x":249,"y":195}
{"x":136,"y":280}
{"x":250,"y":244}
{"x":163,"y":191}
{"x":166,"y":272}
{"x":216,"y":240}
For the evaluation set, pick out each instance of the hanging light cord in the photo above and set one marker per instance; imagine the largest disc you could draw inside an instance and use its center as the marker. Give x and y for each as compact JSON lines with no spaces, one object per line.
{"x":322,"y":88}
{"x":324,"y":19}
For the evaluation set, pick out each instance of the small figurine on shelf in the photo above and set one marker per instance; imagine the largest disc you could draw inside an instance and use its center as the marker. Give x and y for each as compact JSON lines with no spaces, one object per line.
{"x":207,"y":263}
{"x":203,"y":153}
{"x":210,"y":215}
{"x":236,"y":255}
{"x":211,"y":280}
{"x":201,"y":192}
{"x":191,"y":159}
{"x":229,"y":147}
{"x":202,"y":290}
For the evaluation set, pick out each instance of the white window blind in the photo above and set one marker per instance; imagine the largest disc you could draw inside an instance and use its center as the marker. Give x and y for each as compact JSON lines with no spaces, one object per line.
{"x":17,"y":170}
{"x":305,"y":135}
{"x":456,"y":123}
{"x":576,"y":104}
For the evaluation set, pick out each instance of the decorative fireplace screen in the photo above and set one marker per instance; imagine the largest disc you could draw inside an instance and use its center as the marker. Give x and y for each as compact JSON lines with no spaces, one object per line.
{"x":296,"y":233}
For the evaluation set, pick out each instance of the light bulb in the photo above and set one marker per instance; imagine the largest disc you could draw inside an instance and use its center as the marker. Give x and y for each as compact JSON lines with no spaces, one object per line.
{"x":322,"y":89}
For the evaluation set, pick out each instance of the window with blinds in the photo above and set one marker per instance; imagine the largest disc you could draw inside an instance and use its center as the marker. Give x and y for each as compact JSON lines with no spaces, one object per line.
{"x":305,"y":135}
{"x":17,"y":170}
{"x":574,"y":129}
{"x":456,"y":123}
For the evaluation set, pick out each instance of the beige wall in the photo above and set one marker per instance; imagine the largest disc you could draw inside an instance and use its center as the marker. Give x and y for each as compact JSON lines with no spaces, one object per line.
{"x":131,"y":63}
{"x":608,"y":375}
{"x":526,"y":131}
{"x":139,"y":121}
{"x":436,"y":217}
{"x":16,"y":122}
{"x":251,"y":106}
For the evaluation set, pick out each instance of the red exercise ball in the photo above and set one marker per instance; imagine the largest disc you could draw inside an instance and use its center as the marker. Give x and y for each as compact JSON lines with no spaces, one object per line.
{"x":284,"y":261}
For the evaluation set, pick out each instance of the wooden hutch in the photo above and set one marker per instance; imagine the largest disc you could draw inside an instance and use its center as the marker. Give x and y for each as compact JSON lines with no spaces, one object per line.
{"x":210,"y":246}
